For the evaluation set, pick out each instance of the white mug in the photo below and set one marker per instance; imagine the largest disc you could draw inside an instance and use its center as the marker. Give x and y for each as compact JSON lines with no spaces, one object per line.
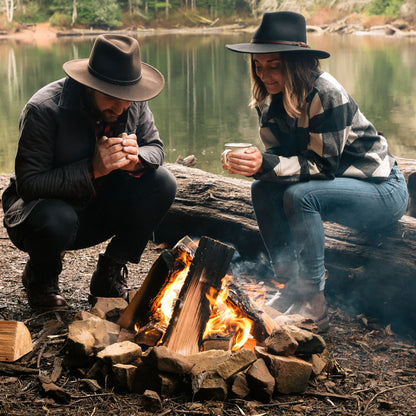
{"x":234,"y":148}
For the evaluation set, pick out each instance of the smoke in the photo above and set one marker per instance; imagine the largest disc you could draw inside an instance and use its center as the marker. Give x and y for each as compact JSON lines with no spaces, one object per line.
{"x":257,"y":269}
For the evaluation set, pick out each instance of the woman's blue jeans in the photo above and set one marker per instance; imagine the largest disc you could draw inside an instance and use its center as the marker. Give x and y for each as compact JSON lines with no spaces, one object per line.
{"x":290,"y":216}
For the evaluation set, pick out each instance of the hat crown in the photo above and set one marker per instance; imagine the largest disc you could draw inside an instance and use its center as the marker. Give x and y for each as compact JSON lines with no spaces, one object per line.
{"x":115,"y":59}
{"x":281,"y":26}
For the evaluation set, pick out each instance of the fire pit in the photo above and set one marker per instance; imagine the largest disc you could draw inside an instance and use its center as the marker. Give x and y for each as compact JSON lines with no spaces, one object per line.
{"x":190,"y":328}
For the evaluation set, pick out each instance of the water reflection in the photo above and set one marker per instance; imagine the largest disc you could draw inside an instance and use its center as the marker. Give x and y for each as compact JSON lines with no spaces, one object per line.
{"x":205,"y":101}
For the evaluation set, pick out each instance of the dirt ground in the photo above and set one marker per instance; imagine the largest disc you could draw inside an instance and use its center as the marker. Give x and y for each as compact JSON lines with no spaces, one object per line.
{"x":372,"y":371}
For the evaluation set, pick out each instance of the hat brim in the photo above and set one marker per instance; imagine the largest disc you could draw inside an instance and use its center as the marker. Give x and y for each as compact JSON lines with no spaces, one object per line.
{"x":273,"y":48}
{"x":149,"y":86}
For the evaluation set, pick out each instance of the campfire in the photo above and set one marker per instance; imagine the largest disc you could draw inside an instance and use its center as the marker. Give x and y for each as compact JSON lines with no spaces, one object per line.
{"x":190,"y":327}
{"x":206,"y":316}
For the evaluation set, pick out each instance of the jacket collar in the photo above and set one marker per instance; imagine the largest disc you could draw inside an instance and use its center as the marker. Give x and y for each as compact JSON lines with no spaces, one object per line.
{"x":72,"y":96}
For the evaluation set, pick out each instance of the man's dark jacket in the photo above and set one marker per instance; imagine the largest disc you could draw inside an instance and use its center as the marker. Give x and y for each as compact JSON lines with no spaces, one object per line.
{"x":57,"y":139}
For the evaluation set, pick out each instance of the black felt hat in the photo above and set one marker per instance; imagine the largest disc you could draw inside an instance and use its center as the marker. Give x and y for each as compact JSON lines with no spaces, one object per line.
{"x":279,"y":32}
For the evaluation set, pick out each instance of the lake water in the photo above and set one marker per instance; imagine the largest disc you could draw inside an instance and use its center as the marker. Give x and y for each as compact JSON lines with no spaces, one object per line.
{"x":205,"y":101}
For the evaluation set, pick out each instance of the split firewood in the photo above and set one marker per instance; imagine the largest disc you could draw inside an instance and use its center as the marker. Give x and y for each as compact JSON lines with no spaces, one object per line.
{"x":124,"y":377}
{"x":120,"y":353}
{"x":192,"y":311}
{"x":15,"y":340}
{"x":140,"y":308}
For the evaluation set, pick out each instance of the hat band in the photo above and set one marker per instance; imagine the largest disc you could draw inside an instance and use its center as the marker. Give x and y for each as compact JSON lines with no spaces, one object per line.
{"x":282,"y":42}
{"x":111,"y":80}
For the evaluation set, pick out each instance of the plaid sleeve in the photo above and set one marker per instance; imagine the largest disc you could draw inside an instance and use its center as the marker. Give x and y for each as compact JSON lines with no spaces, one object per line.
{"x":140,"y":169}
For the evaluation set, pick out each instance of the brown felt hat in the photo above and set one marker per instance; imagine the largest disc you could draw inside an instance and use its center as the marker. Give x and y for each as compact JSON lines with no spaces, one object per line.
{"x":115,"y":69}
{"x":279,"y":32}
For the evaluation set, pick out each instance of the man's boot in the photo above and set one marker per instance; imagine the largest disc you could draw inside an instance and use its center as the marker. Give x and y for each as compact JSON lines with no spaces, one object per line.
{"x":109,"y":279}
{"x":42,"y":293}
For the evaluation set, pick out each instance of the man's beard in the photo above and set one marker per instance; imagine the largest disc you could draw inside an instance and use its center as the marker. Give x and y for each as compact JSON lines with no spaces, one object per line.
{"x":107,"y":115}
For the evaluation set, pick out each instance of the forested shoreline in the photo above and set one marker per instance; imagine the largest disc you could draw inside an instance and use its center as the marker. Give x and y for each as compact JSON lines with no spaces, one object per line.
{"x":16,"y":15}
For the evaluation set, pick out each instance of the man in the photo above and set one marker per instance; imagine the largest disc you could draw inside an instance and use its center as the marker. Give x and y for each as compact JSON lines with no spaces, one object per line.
{"x":88,"y":168}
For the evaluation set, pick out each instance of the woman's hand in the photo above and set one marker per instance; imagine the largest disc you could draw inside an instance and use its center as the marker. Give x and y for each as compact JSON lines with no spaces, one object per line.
{"x":245,"y":164}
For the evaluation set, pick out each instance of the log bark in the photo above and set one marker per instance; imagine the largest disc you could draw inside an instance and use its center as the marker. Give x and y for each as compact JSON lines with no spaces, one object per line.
{"x":377,"y":271}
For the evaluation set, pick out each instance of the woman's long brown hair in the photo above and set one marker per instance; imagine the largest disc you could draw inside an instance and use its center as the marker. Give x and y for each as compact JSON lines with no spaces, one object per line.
{"x":299,"y":71}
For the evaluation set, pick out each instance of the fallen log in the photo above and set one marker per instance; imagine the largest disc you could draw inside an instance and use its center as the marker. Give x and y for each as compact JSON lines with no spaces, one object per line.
{"x":376,"y":271}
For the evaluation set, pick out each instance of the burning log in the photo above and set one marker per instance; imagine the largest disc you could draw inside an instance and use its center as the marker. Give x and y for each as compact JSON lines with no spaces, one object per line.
{"x":263,"y":325}
{"x":360,"y":266}
{"x":191,"y":293}
{"x":141,"y":308}
{"x":192,"y":310}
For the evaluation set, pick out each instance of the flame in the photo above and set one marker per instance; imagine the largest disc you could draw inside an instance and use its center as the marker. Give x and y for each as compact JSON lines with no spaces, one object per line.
{"x":172,"y":290}
{"x":164,"y":303}
{"x":226,"y":319}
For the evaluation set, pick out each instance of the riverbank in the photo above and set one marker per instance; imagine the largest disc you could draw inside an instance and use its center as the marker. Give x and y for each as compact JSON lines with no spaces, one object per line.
{"x":43,"y":34}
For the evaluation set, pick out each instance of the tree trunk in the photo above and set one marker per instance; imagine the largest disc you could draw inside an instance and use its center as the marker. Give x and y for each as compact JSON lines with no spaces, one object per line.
{"x":74,"y":12}
{"x":9,"y":4}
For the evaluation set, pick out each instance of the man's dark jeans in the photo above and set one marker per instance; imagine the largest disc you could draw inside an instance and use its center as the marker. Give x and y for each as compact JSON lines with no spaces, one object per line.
{"x":126,"y":209}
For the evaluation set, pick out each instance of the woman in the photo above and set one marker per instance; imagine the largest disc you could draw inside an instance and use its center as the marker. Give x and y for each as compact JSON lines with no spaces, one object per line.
{"x":323,"y":160}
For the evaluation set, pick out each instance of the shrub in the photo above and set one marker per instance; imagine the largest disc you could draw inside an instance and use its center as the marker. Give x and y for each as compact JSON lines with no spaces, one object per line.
{"x":385,"y":7}
{"x":60,"y":20}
